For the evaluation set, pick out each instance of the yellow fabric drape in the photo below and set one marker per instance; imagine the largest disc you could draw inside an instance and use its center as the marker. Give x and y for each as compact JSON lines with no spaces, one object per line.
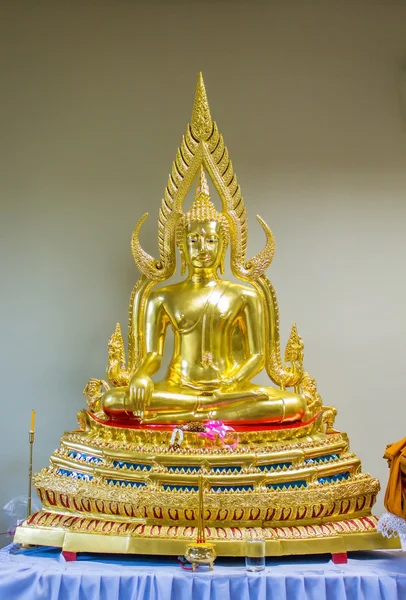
{"x":393,"y":495}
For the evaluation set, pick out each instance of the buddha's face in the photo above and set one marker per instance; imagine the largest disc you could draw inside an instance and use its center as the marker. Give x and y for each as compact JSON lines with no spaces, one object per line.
{"x":203,"y":245}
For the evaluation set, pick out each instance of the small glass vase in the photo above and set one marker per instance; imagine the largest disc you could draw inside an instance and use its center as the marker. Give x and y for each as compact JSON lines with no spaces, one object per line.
{"x":255,"y":555}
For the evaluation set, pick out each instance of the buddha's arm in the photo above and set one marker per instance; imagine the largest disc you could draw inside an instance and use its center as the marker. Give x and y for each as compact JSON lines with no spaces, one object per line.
{"x":251,"y":326}
{"x":156,"y":322}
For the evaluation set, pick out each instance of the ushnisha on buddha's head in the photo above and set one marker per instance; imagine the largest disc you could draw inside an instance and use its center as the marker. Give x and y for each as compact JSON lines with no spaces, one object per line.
{"x":202,"y":233}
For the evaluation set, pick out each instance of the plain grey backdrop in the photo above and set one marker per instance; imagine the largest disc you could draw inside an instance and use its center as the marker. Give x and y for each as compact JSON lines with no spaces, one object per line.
{"x":95,"y":96}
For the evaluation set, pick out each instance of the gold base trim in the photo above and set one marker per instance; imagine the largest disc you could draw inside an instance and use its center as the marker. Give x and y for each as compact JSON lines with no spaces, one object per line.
{"x":115,"y":544}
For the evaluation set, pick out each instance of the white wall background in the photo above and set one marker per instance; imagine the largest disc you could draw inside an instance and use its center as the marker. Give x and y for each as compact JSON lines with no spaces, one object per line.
{"x":95,"y":96}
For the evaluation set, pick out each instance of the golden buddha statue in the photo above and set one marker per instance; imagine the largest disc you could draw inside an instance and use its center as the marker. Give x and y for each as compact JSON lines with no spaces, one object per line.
{"x":268,"y":459}
{"x":206,"y":379}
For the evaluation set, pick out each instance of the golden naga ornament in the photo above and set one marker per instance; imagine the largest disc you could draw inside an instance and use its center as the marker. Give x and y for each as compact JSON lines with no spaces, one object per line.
{"x":274,"y":467}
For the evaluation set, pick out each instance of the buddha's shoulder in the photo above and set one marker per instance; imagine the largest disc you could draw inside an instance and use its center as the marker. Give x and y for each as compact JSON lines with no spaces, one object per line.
{"x":245,"y":295}
{"x":242,"y":290}
{"x":161,"y":294}
{"x":174,"y":290}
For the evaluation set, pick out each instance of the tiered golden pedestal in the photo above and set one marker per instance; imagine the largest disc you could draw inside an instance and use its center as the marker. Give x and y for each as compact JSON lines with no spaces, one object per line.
{"x":111,"y":489}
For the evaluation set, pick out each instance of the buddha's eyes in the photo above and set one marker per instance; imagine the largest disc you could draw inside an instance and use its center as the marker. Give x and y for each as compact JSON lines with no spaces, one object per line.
{"x":210,"y":239}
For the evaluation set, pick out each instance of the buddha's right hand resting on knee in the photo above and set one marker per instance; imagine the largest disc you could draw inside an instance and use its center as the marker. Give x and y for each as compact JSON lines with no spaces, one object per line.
{"x":129,"y":402}
{"x":140,"y":394}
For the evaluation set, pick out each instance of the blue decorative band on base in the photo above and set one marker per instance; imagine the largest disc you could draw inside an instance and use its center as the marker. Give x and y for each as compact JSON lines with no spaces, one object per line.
{"x":86,"y":457}
{"x":232,"y":488}
{"x":180,"y":488}
{"x":333,"y":478}
{"x":121,"y":464}
{"x":287,"y":485}
{"x":321,"y":459}
{"x":75,"y":475}
{"x":274,"y":466}
{"x":186,"y":468}
{"x":123,"y":483}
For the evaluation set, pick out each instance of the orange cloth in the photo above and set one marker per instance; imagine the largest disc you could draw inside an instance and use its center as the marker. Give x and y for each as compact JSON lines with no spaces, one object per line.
{"x":393,"y":495}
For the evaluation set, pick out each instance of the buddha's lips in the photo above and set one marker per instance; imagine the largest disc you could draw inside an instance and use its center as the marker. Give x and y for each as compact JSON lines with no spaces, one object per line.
{"x":202,"y":260}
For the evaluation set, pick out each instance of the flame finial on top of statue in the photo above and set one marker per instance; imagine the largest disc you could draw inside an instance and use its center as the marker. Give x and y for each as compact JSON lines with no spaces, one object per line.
{"x":201,"y":124}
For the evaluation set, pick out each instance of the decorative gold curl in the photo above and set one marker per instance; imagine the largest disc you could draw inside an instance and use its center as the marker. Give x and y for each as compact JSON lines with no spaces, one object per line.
{"x":156,"y":270}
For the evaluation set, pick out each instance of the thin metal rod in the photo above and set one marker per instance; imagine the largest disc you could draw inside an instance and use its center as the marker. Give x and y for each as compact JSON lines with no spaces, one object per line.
{"x":203,"y":524}
{"x":31,"y":438}
{"x":201,"y":533}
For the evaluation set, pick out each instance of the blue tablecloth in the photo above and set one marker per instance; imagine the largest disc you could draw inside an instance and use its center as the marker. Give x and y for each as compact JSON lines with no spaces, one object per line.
{"x":44,"y":574}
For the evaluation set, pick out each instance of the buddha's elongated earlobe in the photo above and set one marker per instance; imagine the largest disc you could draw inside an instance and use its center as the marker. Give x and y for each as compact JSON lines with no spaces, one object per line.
{"x":182,"y":263}
{"x":222,"y":265}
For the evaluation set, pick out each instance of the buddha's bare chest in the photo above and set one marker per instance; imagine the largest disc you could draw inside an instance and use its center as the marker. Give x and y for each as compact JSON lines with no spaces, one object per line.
{"x":193,"y":312}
